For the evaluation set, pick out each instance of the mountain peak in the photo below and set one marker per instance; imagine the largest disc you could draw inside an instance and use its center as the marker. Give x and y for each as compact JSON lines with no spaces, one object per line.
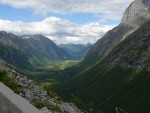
{"x":3,"y":32}
{"x":137,"y":13}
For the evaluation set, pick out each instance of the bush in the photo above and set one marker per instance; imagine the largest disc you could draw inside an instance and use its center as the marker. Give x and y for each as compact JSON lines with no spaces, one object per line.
{"x":41,"y":104}
{"x":49,"y":89}
{"x":9,"y":82}
{"x":78,"y":102}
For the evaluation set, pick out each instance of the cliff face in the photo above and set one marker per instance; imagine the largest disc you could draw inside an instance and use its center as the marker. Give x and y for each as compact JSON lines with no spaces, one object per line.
{"x":137,"y":13}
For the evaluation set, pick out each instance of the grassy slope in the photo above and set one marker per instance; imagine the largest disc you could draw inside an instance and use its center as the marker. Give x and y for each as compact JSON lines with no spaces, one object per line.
{"x":108,"y":87}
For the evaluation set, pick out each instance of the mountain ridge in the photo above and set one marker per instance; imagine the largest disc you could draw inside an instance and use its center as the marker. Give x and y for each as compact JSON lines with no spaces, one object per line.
{"x":25,"y":52}
{"x":135,"y":15}
{"x":120,"y":78}
{"x":115,"y":36}
{"x":118,"y":69}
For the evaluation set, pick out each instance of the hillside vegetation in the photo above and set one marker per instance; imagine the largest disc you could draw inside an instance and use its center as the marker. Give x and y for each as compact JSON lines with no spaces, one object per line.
{"x":120,"y":80}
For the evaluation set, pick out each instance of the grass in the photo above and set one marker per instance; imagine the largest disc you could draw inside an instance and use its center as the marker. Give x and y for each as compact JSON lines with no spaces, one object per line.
{"x":58,"y":65}
{"x":41,"y":104}
{"x":127,"y":89}
{"x":48,"y":71}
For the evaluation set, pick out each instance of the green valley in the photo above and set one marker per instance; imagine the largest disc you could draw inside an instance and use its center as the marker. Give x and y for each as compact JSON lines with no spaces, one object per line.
{"x":50,"y":71}
{"x":110,"y":76}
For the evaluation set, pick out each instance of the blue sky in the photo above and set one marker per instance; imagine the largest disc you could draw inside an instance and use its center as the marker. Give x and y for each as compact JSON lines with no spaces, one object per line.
{"x":9,"y":13}
{"x":68,"y":21}
{"x":26,"y":15}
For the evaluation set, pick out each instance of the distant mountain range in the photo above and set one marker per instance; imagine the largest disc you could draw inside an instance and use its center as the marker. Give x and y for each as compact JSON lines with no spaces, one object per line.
{"x":114,"y":76}
{"x":77,"y":51}
{"x":29,"y":50}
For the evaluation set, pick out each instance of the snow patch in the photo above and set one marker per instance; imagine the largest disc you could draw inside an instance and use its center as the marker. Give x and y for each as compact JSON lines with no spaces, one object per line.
{"x":26,"y":37}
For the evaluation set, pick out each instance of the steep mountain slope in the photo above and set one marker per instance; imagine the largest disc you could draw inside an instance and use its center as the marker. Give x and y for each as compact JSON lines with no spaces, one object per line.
{"x":11,"y":49}
{"x":43,"y":49}
{"x":119,"y":82}
{"x":28,"y":51}
{"x":77,"y":51}
{"x":135,"y":15}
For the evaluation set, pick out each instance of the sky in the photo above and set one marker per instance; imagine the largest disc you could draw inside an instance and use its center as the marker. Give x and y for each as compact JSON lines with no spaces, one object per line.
{"x":63,"y":21}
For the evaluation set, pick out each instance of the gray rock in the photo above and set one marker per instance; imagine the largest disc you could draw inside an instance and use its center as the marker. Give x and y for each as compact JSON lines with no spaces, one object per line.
{"x":33,"y":92}
{"x":137,"y":13}
{"x":17,"y":101}
{"x":45,"y":110}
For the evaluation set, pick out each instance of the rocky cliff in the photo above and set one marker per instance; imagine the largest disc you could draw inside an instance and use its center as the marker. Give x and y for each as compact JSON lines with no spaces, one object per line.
{"x":137,"y":13}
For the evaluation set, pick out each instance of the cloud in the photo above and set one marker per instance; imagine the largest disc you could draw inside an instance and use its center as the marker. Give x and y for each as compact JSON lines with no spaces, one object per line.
{"x":109,"y":9}
{"x":61,"y":31}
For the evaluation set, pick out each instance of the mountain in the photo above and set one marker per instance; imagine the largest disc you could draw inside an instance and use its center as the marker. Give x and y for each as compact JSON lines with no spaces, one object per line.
{"x":121,"y":80}
{"x":77,"y":51}
{"x":116,"y":71}
{"x":135,"y":15}
{"x":42,"y":48}
{"x":29,"y":50}
{"x":11,"y":49}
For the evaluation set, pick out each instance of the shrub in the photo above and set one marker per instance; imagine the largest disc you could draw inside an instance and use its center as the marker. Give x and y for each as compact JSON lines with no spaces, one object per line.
{"x":9,"y":82}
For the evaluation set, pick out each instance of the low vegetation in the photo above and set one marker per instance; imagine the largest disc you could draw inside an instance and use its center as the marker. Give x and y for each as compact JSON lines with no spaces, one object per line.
{"x":8,"y":81}
{"x":50,"y":72}
{"x":41,"y":104}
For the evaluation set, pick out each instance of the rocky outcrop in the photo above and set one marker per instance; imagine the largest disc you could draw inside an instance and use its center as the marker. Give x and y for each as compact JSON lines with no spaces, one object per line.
{"x":32,"y":92}
{"x":13,"y":103}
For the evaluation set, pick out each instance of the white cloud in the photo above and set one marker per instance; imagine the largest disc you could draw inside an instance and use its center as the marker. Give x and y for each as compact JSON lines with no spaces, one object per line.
{"x":109,"y":9}
{"x":61,"y":31}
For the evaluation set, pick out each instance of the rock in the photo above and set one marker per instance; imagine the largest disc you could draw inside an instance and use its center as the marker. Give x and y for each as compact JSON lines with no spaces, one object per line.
{"x":69,"y":108}
{"x":19,"y":104}
{"x":137,"y":13}
{"x":45,"y":110}
{"x":33,"y":92}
